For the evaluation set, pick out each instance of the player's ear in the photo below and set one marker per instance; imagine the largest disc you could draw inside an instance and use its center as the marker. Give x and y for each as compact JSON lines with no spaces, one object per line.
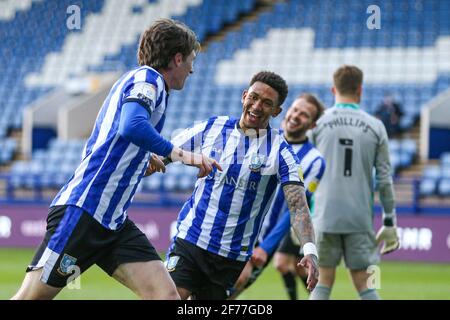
{"x":333,"y":90}
{"x":244,"y":94}
{"x":276,"y":111}
{"x":359,"y":91}
{"x":178,"y":58}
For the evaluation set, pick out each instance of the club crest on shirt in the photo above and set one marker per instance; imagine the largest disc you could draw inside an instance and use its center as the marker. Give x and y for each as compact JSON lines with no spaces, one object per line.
{"x":65,"y":263}
{"x":172,"y":263}
{"x":256,"y":162}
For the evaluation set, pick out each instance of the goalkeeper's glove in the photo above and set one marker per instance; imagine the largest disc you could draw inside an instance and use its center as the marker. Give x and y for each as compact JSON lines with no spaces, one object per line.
{"x":388,"y":234}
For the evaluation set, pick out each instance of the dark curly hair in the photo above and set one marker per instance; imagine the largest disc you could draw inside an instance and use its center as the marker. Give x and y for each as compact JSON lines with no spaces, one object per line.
{"x":163,"y":40}
{"x":273,"y":80}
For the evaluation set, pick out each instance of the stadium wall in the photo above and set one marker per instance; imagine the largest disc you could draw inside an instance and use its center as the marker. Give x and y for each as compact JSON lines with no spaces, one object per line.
{"x":435,"y":127}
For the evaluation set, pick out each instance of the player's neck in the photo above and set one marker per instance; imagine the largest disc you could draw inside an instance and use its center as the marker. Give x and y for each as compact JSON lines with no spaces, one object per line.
{"x":167,"y":79}
{"x":252,"y":132}
{"x":295,"y":138}
{"x":347,"y":99}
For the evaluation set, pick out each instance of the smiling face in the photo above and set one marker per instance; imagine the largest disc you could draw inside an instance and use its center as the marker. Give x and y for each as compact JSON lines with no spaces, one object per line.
{"x":260,"y":103}
{"x":300,"y":118}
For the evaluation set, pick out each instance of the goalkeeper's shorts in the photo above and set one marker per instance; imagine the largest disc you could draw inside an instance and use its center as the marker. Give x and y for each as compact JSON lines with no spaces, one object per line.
{"x":358,"y":249}
{"x":74,"y":241}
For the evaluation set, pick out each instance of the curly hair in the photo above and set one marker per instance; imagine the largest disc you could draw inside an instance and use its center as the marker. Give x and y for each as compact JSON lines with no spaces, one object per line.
{"x":273,"y":80}
{"x":163,"y":40}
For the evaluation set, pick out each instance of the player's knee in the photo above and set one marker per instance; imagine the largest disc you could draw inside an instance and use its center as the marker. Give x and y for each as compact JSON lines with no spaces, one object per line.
{"x":33,"y":289}
{"x":171,"y":295}
{"x":160,"y":295}
{"x":33,"y":295}
{"x":281,"y":266}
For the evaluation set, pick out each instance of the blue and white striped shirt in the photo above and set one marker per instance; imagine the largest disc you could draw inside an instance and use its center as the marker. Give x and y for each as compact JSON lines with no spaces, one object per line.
{"x":313,"y":167}
{"x":225,"y":212}
{"x":105,"y":182}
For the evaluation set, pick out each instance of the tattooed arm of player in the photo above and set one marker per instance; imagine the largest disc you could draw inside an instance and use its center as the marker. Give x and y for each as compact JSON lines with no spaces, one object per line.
{"x":298,"y":208}
{"x":303,"y":229}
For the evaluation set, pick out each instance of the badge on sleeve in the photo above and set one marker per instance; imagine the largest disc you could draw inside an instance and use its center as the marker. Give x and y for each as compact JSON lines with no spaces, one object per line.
{"x":146,"y":92}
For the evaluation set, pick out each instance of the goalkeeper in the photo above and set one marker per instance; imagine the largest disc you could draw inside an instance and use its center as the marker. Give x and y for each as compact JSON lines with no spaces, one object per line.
{"x":353,"y":143}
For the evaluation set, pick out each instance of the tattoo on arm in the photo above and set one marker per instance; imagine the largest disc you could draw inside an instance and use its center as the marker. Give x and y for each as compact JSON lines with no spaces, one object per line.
{"x":298,"y":208}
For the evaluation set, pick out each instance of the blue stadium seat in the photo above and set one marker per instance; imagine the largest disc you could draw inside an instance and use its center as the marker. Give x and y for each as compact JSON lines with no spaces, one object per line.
{"x":432,"y":171}
{"x":427,"y":186}
{"x":443,"y":188}
{"x":445,"y":159}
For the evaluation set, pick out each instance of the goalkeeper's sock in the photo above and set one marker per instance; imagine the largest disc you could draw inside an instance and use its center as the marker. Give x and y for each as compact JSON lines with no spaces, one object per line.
{"x":369,"y":294}
{"x":291,"y":285}
{"x":320,"y":292}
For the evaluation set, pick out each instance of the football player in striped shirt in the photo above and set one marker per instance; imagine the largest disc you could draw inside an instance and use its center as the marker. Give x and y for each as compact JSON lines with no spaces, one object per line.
{"x":300,"y":117}
{"x":218,"y":225}
{"x":87,"y":221}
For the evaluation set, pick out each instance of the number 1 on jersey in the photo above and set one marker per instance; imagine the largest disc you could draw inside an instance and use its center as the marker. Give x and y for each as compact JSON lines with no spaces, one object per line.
{"x":348,"y":155}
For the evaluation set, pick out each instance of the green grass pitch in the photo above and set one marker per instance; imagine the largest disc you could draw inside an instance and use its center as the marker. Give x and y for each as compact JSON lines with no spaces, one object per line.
{"x":399,"y":280}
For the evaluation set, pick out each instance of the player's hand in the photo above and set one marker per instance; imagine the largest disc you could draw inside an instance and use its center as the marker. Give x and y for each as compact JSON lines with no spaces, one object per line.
{"x":259,"y":257}
{"x":310,"y":263}
{"x":155,"y":165}
{"x":206,"y":166}
{"x":390,"y":238}
{"x":204,"y":163}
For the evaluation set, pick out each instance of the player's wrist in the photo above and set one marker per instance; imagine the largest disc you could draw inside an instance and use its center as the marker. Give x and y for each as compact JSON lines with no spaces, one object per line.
{"x":310,"y":248}
{"x":389,"y":219}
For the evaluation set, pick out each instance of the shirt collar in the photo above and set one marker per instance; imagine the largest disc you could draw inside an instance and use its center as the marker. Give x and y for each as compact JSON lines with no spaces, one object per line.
{"x":347,"y":105}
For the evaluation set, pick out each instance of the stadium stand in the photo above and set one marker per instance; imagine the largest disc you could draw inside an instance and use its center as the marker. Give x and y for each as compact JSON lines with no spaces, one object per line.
{"x":436,"y":178}
{"x":406,"y":57}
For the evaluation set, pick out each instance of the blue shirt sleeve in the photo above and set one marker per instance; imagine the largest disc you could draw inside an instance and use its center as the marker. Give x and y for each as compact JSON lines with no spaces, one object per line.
{"x":273,"y":239}
{"x":135,"y":127}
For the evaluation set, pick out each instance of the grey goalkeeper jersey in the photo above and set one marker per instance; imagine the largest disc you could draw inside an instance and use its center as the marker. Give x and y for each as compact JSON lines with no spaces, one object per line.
{"x":353,"y":143}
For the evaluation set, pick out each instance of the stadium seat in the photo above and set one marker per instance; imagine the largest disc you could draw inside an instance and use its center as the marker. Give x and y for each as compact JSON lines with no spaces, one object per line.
{"x":427,"y":186}
{"x":432,"y":171}
{"x":443,"y":188}
{"x":445,"y":159}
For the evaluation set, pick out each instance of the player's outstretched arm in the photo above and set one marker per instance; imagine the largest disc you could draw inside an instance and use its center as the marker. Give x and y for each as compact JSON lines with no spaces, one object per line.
{"x":202,"y":162}
{"x":303,"y":228}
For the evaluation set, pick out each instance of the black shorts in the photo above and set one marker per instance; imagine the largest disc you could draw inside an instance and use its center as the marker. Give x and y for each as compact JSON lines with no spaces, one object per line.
{"x":288,"y":246}
{"x":207,"y":275}
{"x":74,"y":241}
